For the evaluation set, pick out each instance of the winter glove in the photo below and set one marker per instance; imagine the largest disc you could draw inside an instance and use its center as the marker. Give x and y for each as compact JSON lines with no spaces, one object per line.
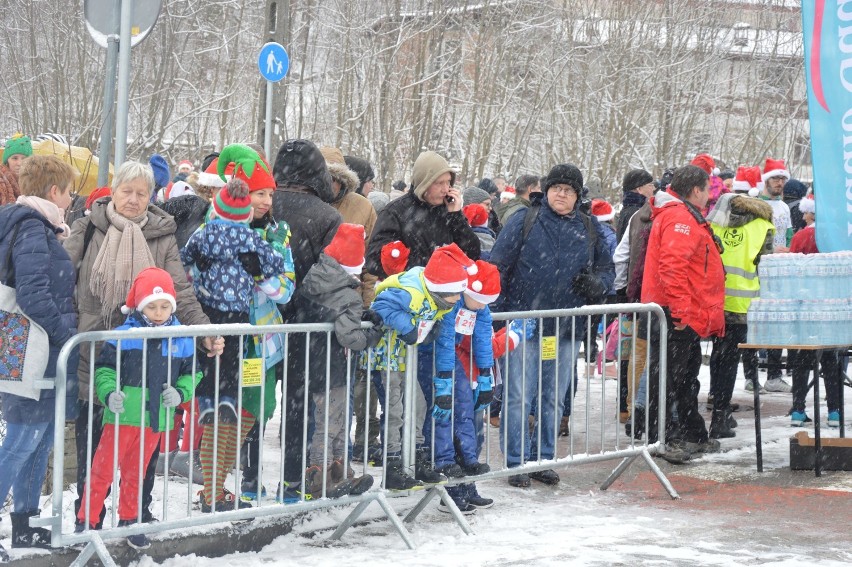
{"x":589,"y":286}
{"x":280,"y":233}
{"x":409,"y":338}
{"x":115,"y":402}
{"x":394,"y":257}
{"x":484,"y":393}
{"x":203,"y":263}
{"x":251,"y":264}
{"x":443,"y":408}
{"x":523,"y":328}
{"x":171,"y":397}
{"x":371,"y":316}
{"x":373,"y":336}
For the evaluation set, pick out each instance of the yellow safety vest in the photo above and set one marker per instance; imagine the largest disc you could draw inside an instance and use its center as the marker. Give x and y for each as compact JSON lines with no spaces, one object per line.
{"x":742,"y":245}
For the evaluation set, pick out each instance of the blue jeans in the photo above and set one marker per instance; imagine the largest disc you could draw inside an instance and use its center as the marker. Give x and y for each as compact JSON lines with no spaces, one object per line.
{"x":23,"y":462}
{"x":520,"y":390}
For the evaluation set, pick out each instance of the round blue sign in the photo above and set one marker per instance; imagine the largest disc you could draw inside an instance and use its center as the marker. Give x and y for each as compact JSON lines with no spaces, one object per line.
{"x":273,"y":62}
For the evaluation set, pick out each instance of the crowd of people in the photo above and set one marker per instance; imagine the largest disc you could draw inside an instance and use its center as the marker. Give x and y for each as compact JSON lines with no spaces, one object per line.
{"x":305,"y":238}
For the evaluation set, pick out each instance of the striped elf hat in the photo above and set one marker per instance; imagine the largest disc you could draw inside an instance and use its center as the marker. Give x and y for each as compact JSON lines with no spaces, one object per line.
{"x":232,"y":202}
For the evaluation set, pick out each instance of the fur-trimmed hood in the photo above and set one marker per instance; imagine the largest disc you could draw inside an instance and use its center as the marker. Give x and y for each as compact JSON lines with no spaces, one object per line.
{"x":340,"y":172}
{"x":733,"y":210}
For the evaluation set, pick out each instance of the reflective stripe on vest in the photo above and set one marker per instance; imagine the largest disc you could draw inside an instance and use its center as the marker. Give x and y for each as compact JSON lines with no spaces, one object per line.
{"x":742,"y":245}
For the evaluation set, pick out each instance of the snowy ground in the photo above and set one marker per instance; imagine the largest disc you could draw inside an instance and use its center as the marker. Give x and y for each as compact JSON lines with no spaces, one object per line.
{"x":728,"y":513}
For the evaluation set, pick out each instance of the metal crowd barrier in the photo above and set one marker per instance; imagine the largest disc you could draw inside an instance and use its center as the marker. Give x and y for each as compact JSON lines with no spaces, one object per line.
{"x":602,"y":437}
{"x":600,"y":440}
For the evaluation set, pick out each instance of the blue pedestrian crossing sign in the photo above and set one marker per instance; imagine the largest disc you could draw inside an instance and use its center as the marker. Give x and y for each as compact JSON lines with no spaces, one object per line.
{"x":273,"y":62}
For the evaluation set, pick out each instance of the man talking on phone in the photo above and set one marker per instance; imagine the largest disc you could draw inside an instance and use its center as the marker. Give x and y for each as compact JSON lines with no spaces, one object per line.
{"x":426,"y":217}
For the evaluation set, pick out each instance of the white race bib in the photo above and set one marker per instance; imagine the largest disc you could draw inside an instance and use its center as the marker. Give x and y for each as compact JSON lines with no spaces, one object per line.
{"x":423,"y":328}
{"x":465,"y":321}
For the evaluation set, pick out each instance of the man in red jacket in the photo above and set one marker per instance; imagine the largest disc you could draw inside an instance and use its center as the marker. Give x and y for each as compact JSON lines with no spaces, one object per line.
{"x":684,"y":274}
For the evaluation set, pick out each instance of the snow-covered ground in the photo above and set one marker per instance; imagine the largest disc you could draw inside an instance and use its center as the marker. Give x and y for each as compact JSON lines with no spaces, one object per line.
{"x":728,"y":514}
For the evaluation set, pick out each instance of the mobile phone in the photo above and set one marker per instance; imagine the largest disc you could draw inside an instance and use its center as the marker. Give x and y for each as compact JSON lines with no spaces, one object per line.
{"x":449,"y":199}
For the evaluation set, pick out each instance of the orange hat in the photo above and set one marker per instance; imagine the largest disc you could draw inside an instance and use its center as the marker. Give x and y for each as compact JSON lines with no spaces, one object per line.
{"x":98,"y":193}
{"x":348,"y":247}
{"x":447,"y":270}
{"x":150,"y":285}
{"x":484,"y":286}
{"x":394,"y":257}
{"x":476,"y":214}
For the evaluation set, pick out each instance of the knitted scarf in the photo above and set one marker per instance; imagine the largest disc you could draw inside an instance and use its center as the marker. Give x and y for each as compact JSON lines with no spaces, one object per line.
{"x":123,"y":254}
{"x":48,"y":210}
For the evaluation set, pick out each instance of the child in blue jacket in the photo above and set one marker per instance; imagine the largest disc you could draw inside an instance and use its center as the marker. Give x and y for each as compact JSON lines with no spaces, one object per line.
{"x":140,"y":396}
{"x":411,"y":304}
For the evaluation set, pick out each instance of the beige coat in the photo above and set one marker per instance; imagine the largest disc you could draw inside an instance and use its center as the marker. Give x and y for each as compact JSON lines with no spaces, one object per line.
{"x":160,"y":234}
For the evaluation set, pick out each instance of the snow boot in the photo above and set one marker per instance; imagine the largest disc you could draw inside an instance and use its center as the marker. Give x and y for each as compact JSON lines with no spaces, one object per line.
{"x":719,"y":426}
{"x":564,"y":426}
{"x":314,"y":481}
{"x":396,"y":478}
{"x":358,"y":484}
{"x":425,"y":472}
{"x":25,"y":536}
{"x":179,"y":466}
{"x":136,"y":541}
{"x":475,"y":500}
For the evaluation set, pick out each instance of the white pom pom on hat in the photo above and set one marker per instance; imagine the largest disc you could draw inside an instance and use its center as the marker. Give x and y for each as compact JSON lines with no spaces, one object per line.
{"x":395,"y":253}
{"x":475,"y":285}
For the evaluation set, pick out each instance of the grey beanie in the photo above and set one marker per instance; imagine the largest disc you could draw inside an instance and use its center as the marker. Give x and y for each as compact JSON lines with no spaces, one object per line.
{"x":379,"y":200}
{"x":473,"y":195}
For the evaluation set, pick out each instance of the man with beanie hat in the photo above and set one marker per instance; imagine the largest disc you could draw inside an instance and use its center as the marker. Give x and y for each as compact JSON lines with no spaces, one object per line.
{"x":550,"y":257}
{"x":637,"y":186}
{"x":425,"y":218}
{"x":17,"y":149}
{"x":410,"y":304}
{"x":301,"y":199}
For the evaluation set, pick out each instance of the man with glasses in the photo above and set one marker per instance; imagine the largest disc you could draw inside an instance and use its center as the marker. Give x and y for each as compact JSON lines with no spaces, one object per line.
{"x":683,"y":274}
{"x":549,"y":257}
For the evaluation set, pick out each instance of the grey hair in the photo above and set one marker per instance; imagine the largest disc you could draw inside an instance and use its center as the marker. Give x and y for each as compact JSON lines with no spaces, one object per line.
{"x":130,"y":170}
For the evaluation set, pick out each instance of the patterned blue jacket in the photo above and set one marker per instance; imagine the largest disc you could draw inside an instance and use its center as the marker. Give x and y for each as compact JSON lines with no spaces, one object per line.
{"x":220,"y":280}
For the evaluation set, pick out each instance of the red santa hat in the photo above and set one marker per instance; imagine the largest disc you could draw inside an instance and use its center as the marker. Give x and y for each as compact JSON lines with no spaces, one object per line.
{"x":508,"y":193}
{"x":348,"y":247}
{"x":150,"y":285}
{"x":775,"y":168}
{"x":210,"y":178}
{"x":232,"y":202}
{"x":807,"y":205}
{"x":705,"y":162}
{"x":98,"y":193}
{"x":448,"y":269}
{"x":748,"y":180}
{"x":484,"y":286}
{"x":602,"y":210}
{"x":476,"y":214}
{"x":394,"y":257}
{"x":187,"y":164}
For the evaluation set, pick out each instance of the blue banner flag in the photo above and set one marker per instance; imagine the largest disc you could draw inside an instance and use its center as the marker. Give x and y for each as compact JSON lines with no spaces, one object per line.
{"x":827,"y":27}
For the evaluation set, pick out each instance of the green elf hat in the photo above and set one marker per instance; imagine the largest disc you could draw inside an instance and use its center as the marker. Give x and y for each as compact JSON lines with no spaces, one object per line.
{"x":17,"y":145}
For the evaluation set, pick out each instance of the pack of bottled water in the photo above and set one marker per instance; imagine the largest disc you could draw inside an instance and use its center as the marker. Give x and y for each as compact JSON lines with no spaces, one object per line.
{"x":805,"y":299}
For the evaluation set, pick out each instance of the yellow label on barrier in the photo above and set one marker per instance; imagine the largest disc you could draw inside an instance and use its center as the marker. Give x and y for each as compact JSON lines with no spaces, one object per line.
{"x":252,"y":371}
{"x":548,"y":348}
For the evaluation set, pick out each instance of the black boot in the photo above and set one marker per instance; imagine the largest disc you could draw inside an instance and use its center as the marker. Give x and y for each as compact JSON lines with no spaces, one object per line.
{"x":729,"y":415}
{"x":719,"y":426}
{"x":25,"y":536}
{"x":4,"y":555}
{"x":424,"y":470}
{"x":396,"y":478}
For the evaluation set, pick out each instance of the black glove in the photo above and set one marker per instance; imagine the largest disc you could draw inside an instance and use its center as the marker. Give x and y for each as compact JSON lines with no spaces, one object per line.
{"x":371,"y":316}
{"x":373,"y":335}
{"x":589,"y":286}
{"x":251,"y":264}
{"x":203,"y":263}
{"x":409,"y":338}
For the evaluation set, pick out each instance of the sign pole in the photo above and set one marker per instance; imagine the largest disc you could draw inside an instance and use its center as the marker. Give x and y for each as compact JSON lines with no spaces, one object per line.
{"x":123,"y":83}
{"x":267,"y":133}
{"x":107,"y":113}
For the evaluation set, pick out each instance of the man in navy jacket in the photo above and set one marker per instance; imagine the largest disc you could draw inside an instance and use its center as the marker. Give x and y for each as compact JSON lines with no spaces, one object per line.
{"x":545,"y":264}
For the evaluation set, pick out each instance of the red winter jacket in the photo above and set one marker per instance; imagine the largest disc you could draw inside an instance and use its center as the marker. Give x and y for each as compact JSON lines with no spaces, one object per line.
{"x":683,"y":268}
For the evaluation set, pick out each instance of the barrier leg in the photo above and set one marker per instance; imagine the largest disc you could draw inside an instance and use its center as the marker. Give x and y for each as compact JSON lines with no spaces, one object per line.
{"x":94,"y":547}
{"x":414,"y":512}
{"x":350,"y":519}
{"x":395,"y":521}
{"x":622,"y":466}
{"x":659,"y":474}
{"x":448,"y":502}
